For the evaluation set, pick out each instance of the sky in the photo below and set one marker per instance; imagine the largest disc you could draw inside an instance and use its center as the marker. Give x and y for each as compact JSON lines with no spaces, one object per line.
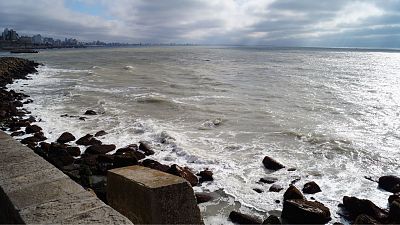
{"x":321,"y":23}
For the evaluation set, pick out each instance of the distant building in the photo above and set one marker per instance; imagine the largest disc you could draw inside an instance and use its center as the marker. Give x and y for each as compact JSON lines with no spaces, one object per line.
{"x":9,"y":35}
{"x":48,"y":41}
{"x":37,"y":39}
{"x":25,"y":40}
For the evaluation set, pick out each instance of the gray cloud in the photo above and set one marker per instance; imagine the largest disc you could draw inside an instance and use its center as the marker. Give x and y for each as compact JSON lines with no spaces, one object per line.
{"x":369,"y":23}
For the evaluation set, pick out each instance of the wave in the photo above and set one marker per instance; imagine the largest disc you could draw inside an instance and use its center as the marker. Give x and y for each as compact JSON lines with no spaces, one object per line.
{"x":129,"y":67}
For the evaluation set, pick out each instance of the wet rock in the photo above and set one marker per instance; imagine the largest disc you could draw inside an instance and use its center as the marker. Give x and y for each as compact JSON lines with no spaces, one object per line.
{"x":88,"y":139}
{"x":125,"y":160}
{"x":60,"y":157}
{"x":203,"y":197}
{"x":205,"y":175}
{"x":258,"y":190}
{"x":82,"y":118}
{"x":74,"y":151}
{"x":66,"y":137}
{"x":275,"y":188}
{"x":311,"y":188}
{"x":32,"y":129}
{"x":268,"y":180}
{"x":301,"y":211}
{"x":155,"y":165}
{"x":30,"y":140}
{"x":277,"y":201}
{"x":357,"y":207}
{"x":17,"y":133}
{"x":185,"y":173}
{"x":130,"y":150}
{"x":390,"y":183}
{"x":292,"y":193}
{"x":272,"y":220}
{"x":241,"y":218}
{"x":365,"y":219}
{"x":394,"y":212}
{"x":394,"y":197}
{"x":272,"y":164}
{"x":45,"y":146}
{"x":100,"y":133}
{"x":100,"y":149}
{"x":40,"y":136}
{"x":291,"y":169}
{"x":90,"y":112}
{"x":145,"y":147}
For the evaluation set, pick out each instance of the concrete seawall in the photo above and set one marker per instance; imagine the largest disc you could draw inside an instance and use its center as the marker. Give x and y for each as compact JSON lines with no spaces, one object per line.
{"x":33,"y":191}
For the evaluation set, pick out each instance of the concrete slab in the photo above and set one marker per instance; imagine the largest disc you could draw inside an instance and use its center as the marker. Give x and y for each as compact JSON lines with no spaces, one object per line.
{"x":102,"y":215}
{"x":49,"y":212}
{"x":145,"y":195}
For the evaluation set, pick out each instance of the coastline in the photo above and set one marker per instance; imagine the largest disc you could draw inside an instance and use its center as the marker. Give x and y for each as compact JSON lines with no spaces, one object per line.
{"x":95,"y":162}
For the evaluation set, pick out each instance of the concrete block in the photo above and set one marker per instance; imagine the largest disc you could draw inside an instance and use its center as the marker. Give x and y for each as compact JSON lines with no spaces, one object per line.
{"x":145,"y":195}
{"x":102,"y":215}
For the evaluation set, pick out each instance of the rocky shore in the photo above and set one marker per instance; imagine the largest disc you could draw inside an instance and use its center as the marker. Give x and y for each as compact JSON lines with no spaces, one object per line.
{"x":90,"y":168}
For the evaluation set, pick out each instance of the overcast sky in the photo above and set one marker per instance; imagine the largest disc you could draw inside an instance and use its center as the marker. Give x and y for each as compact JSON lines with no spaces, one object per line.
{"x":330,"y":23}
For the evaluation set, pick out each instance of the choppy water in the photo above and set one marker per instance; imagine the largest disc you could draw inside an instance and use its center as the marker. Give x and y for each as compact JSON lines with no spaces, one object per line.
{"x":332,"y":114}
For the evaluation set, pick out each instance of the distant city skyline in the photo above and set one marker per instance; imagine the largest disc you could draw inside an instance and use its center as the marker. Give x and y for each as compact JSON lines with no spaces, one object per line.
{"x":340,"y":23}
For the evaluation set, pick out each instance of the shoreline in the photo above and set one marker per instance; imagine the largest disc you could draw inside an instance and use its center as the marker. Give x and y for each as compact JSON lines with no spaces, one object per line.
{"x":95,"y":160}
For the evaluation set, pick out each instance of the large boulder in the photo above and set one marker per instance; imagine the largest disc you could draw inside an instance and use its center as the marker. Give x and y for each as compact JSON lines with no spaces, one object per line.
{"x":363,"y":219}
{"x":66,"y":137}
{"x":394,"y":212}
{"x":357,"y":207}
{"x":390,"y":183}
{"x":32,"y":129}
{"x":311,"y":188}
{"x":90,"y":112}
{"x":125,"y":160}
{"x":100,"y":133}
{"x":301,"y":211}
{"x":100,"y":149}
{"x":272,"y":220}
{"x":275,"y":188}
{"x":292,"y":193}
{"x":145,"y":148}
{"x":60,"y":157}
{"x":272,"y":164}
{"x":88,"y":139}
{"x":205,"y":175}
{"x":203,"y":197}
{"x":185,"y":173}
{"x":155,"y":165}
{"x":241,"y":218}
{"x":74,"y":151}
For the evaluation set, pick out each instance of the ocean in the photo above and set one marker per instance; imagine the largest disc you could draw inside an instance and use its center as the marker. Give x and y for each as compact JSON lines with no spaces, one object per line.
{"x":332,"y":114}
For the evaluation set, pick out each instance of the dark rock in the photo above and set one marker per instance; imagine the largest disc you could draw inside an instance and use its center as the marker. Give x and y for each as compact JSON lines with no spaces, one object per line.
{"x":277,"y":201}
{"x":365,"y":219}
{"x":258,"y":190}
{"x":272,"y":220}
{"x":30,"y":140}
{"x":295,"y":180}
{"x":390,"y":183}
{"x":292,"y":193}
{"x":185,"y":173}
{"x":74,"y":151}
{"x":59,"y":157}
{"x":203,"y":197}
{"x":268,"y":180}
{"x":311,"y":188}
{"x":272,"y":164}
{"x":145,"y":147}
{"x":155,"y":165}
{"x":17,"y":133}
{"x":357,"y":207}
{"x":125,"y":160}
{"x":394,"y":197}
{"x":300,"y":211}
{"x":291,"y":169}
{"x":100,"y":149}
{"x":90,"y":112}
{"x":275,"y":188}
{"x":241,"y":218}
{"x":82,"y":118}
{"x":40,"y":136}
{"x":100,"y":133}
{"x":66,"y":137}
{"x":130,"y":150}
{"x":32,"y":129}
{"x":205,"y":175}
{"x":394,"y":212}
{"x":45,"y":146}
{"x":88,"y":139}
